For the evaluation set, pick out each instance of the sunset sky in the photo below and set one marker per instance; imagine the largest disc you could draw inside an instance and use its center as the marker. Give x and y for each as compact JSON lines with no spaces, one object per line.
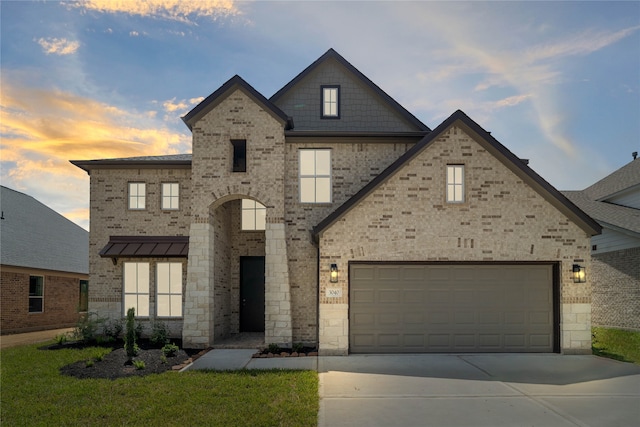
{"x":555,"y":82}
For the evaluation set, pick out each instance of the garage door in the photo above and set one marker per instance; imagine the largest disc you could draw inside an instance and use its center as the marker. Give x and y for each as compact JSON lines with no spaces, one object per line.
{"x":413,"y":308}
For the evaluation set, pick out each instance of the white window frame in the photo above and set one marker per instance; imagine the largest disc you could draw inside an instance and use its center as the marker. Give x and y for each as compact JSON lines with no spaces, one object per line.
{"x":137,"y":198}
{"x":135,"y":293}
{"x":169,"y":288}
{"x":170,"y":196}
{"x":455,"y":184}
{"x":35,"y":297}
{"x":253,"y":215}
{"x":330,"y":102}
{"x":314,"y":176}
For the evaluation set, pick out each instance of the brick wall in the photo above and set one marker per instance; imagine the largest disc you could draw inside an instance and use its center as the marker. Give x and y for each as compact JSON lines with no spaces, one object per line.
{"x":61,"y":299}
{"x":502,"y":219}
{"x":615,"y":278}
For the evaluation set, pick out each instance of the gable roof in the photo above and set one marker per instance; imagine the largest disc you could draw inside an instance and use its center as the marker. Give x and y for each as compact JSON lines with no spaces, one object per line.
{"x":33,"y":235}
{"x":332,"y":54}
{"x":594,"y":199}
{"x":622,"y":179}
{"x":620,"y":218}
{"x":234,"y":83}
{"x":484,"y":138}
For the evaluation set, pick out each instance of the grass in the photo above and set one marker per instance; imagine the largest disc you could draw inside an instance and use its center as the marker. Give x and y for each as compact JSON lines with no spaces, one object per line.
{"x":616,"y":344}
{"x":34,"y":393}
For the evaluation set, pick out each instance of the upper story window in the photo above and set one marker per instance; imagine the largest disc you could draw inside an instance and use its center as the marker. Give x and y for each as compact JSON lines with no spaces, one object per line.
{"x":170,"y":195}
{"x":36,"y":294}
{"x":254,"y":215}
{"x":137,"y":195}
{"x":136,"y":288}
{"x":455,"y":183}
{"x":315,"y":176}
{"x":239,"y":155}
{"x":330,"y":102}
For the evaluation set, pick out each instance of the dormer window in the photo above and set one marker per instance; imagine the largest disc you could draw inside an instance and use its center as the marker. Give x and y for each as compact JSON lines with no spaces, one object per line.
{"x":330,"y":102}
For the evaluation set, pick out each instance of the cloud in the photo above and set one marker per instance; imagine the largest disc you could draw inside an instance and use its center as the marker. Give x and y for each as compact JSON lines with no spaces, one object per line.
{"x":52,"y":45}
{"x":42,"y":130}
{"x":134,"y":33}
{"x":175,"y":10}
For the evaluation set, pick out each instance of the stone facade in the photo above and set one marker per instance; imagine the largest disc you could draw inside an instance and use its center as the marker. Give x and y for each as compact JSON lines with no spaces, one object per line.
{"x":616,"y":289}
{"x":407,"y":219}
{"x":61,"y":300}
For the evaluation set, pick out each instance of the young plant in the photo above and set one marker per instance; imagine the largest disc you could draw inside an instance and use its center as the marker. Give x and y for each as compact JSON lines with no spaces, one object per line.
{"x":297,"y":347}
{"x":113,"y":328}
{"x":274,"y":348}
{"x":169,"y":350}
{"x":87,"y":328}
{"x":159,"y":334}
{"x":61,"y":339}
{"x":130,"y":346}
{"x":139,"y":364}
{"x":89,"y":363}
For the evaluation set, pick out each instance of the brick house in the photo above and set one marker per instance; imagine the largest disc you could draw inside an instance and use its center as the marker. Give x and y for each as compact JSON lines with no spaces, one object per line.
{"x":44,"y":266}
{"x":328,"y":214}
{"x":614,"y":202}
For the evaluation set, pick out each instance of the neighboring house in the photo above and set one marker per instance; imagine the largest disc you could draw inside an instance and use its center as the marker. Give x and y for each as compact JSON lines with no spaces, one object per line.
{"x":328,"y":214}
{"x":614,"y":202}
{"x":44,"y":266}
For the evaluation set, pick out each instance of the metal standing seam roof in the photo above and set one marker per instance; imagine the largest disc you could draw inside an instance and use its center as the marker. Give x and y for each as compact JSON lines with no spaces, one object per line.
{"x":146,"y":246}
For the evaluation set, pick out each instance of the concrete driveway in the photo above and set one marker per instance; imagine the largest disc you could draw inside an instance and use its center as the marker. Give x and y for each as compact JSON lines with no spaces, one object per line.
{"x":478,"y":390}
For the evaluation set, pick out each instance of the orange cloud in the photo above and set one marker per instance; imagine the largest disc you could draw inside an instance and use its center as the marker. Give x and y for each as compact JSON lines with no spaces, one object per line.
{"x":58,"y":46}
{"x":43,"y":129}
{"x":177,"y":10}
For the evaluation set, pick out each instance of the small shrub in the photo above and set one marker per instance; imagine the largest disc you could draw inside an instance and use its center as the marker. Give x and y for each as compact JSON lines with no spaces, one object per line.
{"x":87,"y":328}
{"x":163,"y":359}
{"x":159,"y":334}
{"x":139,"y":364}
{"x":89,"y":363}
{"x":274,"y":348}
{"x":139,"y":330}
{"x":61,"y":339}
{"x":113,"y":328}
{"x":297,"y":347}
{"x":100,"y":354}
{"x":169,"y":350}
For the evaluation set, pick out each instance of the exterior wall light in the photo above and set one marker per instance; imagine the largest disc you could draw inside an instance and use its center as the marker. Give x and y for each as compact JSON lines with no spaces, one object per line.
{"x":334,"y":273}
{"x":579,"y":275}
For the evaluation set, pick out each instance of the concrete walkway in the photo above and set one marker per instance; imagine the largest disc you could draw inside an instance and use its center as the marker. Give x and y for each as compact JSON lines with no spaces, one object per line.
{"x":14,"y":340}
{"x":477,"y":390}
{"x":233,"y":359}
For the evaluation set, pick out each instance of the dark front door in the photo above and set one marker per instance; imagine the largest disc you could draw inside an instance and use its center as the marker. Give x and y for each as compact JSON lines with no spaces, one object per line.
{"x":252,"y":294}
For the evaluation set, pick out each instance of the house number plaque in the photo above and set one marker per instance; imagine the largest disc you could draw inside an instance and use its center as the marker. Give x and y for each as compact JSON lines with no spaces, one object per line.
{"x":333,"y":292}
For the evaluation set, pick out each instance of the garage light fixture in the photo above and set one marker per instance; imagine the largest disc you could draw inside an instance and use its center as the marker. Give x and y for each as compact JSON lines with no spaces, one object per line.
{"x":579,"y":275}
{"x":334,"y":273}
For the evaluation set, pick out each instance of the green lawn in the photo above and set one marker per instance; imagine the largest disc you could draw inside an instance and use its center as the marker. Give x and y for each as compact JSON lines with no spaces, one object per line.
{"x":34,"y":393}
{"x":617,"y":344}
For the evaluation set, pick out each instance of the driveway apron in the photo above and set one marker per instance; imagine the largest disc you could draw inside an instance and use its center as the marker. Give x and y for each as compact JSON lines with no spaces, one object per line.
{"x":477,"y":390}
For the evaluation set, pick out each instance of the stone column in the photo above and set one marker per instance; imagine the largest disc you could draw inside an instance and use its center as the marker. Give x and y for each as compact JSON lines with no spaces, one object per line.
{"x":197,"y":331}
{"x":278,"y":322}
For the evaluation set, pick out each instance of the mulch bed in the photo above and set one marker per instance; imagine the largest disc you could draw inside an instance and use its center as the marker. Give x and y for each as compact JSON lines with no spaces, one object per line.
{"x":287,"y":352}
{"x":115,"y":364}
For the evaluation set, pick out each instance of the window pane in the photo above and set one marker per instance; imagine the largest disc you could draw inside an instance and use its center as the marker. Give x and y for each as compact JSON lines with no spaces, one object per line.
{"x":450,"y":193}
{"x":133,"y":189}
{"x":36,"y":286}
{"x":163,"y":277}
{"x":163,"y":305}
{"x":323,"y":162}
{"x":261,"y":219}
{"x":130,"y":277}
{"x":307,"y":162}
{"x":176,"y":278}
{"x":248,"y":219}
{"x":143,"y":277}
{"x":307,"y":190}
{"x":176,"y":305}
{"x":323,"y":190}
{"x":143,"y":305}
{"x":458,"y":175}
{"x":450,"y":175}
{"x":130,"y":301}
{"x":248,"y":204}
{"x":35,"y":305}
{"x":458,"y":193}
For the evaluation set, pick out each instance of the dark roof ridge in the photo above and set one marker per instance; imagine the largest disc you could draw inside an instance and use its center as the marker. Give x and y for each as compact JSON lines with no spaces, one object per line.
{"x":587,"y":223}
{"x":210,"y":101}
{"x":332,"y":53}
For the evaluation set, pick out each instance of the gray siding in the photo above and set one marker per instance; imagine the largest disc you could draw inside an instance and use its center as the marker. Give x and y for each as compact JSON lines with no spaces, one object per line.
{"x":360,"y":108}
